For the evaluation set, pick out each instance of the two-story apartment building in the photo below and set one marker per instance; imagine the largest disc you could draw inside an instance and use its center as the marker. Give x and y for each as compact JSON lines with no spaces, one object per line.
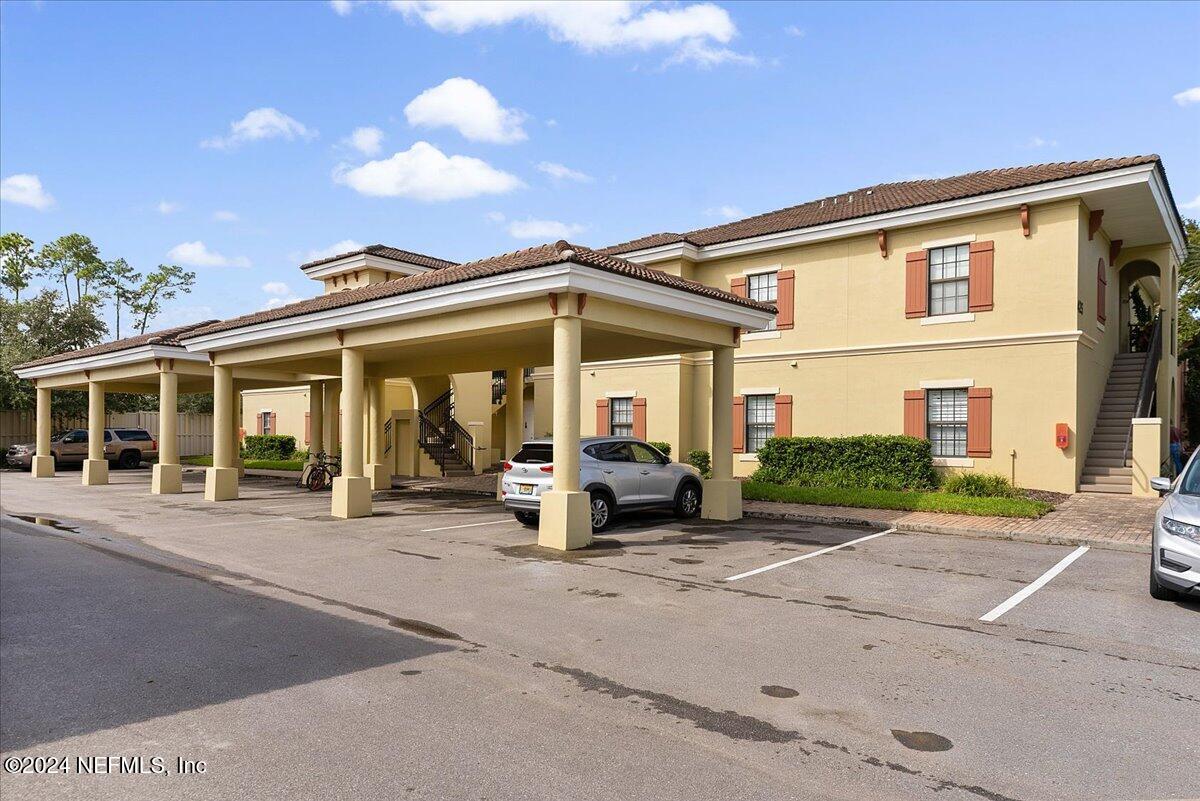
{"x":989,"y":312}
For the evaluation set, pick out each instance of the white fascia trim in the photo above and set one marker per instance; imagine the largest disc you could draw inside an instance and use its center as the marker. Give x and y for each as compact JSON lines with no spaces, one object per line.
{"x":363,"y":261}
{"x":753,"y":335}
{"x":953,"y":461}
{"x":113,"y":359}
{"x":945,"y":243}
{"x":540,"y":281}
{"x":948,"y":383}
{"x":943,"y":319}
{"x":1041,"y":193}
{"x":758,"y":391}
{"x":772,"y":268}
{"x":621,"y":393}
{"x":276,"y":390}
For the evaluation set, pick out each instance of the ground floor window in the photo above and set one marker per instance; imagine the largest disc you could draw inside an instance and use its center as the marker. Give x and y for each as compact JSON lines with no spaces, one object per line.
{"x":760,"y":421}
{"x":947,"y":421}
{"x":266,"y":423}
{"x":620,"y":417}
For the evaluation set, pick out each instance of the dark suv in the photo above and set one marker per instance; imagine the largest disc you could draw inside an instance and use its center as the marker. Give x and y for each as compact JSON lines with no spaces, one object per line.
{"x":124,"y":447}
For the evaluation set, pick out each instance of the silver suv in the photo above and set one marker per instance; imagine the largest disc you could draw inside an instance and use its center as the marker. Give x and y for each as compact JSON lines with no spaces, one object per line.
{"x":1175,"y":556}
{"x":620,"y":474}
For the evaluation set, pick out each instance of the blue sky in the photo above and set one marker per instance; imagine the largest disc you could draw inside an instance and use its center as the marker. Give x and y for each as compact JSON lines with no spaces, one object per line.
{"x":222,"y":135}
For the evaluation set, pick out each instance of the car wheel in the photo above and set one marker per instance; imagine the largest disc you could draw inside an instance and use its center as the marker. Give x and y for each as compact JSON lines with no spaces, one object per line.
{"x":687,"y":500}
{"x":601,"y":508}
{"x":526,"y":518}
{"x":129,"y":460}
{"x":1158,"y":591}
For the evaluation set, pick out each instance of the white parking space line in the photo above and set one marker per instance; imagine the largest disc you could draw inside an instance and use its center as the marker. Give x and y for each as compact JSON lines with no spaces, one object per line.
{"x":465,"y":525}
{"x":795,"y":559}
{"x":1040,"y":582}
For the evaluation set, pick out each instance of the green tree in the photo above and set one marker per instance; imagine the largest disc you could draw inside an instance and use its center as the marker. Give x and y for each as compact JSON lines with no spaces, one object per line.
{"x":162,"y":284}
{"x":18,"y":263}
{"x":71,"y":259}
{"x":1189,"y":293}
{"x":121,"y":283}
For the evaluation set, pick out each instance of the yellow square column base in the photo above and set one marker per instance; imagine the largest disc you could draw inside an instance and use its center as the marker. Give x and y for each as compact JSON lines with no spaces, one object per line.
{"x":500,"y":486}
{"x":380,"y":475}
{"x":241,"y":467}
{"x":42,"y":467}
{"x":722,"y":500}
{"x":351,"y":497}
{"x":166,"y":479}
{"x":221,"y":484}
{"x":95,"y":472}
{"x":565,"y":520}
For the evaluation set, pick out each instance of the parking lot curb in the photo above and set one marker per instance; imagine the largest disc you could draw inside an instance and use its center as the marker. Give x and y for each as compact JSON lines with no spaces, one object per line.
{"x":955,"y":531}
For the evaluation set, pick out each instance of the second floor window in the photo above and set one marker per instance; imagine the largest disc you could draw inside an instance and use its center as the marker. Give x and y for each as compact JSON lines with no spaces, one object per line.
{"x":764,"y":287}
{"x":760,"y":421}
{"x":620,"y":417}
{"x":949,"y":269}
{"x":947,"y":421}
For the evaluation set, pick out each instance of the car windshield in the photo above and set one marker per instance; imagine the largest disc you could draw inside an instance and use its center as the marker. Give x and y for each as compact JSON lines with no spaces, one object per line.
{"x":535,"y":454}
{"x":1190,"y":483}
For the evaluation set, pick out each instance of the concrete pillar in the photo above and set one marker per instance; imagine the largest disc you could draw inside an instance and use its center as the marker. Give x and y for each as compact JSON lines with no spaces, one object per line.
{"x":566,"y":521}
{"x":333,"y":396}
{"x":722,"y":493}
{"x":221,"y":480}
{"x":514,"y":411}
{"x":352,"y":490}
{"x":379,"y":473}
{"x":95,"y":467}
{"x":167,"y":475}
{"x":1146,"y":450}
{"x":235,"y":431}
{"x":43,"y":461}
{"x":316,"y":419}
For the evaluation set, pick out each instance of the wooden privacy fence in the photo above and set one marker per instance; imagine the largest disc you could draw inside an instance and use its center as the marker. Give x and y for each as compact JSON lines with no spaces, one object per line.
{"x":195,"y":430}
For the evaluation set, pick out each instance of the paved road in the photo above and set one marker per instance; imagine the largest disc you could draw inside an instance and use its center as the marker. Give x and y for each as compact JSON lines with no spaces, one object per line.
{"x":431,"y":652}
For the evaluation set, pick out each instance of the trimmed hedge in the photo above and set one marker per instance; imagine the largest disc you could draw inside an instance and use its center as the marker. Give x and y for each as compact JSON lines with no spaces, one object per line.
{"x":979,"y":485}
{"x":270,"y":446}
{"x":891,"y":499}
{"x":663,"y":447}
{"x":700,"y":460}
{"x":869,"y":461}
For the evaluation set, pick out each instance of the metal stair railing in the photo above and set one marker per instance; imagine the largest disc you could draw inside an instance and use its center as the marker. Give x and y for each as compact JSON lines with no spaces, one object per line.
{"x":443,"y":437}
{"x":1148,"y":384}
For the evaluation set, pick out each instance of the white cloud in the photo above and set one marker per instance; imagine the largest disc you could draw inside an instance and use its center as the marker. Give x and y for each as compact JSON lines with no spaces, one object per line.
{"x":494,"y":216}
{"x":469,"y":108}
{"x":173,"y":316}
{"x":223,"y":215}
{"x":336,"y":249}
{"x":725,"y":212}
{"x":279,"y":293}
{"x":367,"y":140}
{"x":1188,"y":96}
{"x":341,"y":7}
{"x":705,"y":56}
{"x":543,"y":230}
{"x":794,"y":30}
{"x":427,"y":174}
{"x":592,"y":27}
{"x":197,"y":254}
{"x":166,"y":207}
{"x":552,"y":123}
{"x":1192,"y":205}
{"x":275,"y":303}
{"x":259,"y":124}
{"x":561,"y":172}
{"x":276,"y":288}
{"x":1037,"y":141}
{"x":25,"y":189}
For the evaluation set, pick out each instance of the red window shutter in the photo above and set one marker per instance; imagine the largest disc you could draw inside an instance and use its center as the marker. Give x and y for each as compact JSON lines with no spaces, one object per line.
{"x":739,"y":424}
{"x":980,"y":279}
{"x":916,"y":284}
{"x":786,"y":303}
{"x":738,"y":286}
{"x":602,"y":421}
{"x":639,"y":418}
{"x":307,"y":427}
{"x":258,"y":424}
{"x":914,"y":413}
{"x":1101,"y":290}
{"x":783,"y":415}
{"x":274,"y":423}
{"x":979,"y":422}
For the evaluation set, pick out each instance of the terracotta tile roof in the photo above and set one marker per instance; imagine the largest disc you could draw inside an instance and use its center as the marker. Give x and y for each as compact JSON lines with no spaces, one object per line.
{"x":883,"y":198}
{"x":527,"y":259}
{"x":167,"y":336}
{"x":419,"y":259}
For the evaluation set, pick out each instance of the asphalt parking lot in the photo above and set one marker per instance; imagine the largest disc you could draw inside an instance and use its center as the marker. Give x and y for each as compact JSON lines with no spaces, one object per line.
{"x":432,"y":651}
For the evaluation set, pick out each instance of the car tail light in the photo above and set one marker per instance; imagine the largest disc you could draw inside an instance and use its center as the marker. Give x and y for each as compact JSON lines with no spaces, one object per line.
{"x":507,"y":466}
{"x":153,"y":444}
{"x":547,"y":468}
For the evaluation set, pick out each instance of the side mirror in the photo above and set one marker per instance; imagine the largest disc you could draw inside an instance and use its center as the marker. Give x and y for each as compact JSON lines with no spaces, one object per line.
{"x":1161,"y":484}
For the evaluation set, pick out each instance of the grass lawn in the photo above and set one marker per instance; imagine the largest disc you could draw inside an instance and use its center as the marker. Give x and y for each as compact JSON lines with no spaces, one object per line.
{"x":892,"y":499}
{"x":254,"y":464}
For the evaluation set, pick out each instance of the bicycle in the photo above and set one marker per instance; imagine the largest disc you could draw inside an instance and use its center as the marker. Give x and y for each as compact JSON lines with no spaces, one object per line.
{"x":320,"y":474}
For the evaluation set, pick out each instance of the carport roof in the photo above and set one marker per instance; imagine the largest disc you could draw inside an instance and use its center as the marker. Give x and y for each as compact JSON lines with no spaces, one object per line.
{"x":168,"y":337}
{"x":540,"y":256}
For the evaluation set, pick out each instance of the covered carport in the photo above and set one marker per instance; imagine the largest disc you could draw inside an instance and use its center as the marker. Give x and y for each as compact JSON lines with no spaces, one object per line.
{"x":556,"y":304}
{"x":155,"y":362}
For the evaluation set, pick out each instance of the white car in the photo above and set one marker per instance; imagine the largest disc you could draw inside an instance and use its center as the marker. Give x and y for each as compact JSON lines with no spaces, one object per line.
{"x":620,"y":474}
{"x":1175,"y":556}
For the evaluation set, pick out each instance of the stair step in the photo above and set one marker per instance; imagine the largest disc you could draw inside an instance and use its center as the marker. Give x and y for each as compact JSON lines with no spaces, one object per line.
{"x":1102,"y":479}
{"x":1104,"y":460}
{"x":1110,"y":489}
{"x":1099,"y":474}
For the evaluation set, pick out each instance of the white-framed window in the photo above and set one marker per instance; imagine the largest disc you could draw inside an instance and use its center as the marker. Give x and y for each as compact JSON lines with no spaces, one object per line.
{"x":760,"y":421}
{"x":946,"y":421}
{"x":620,"y":417}
{"x":266,"y":423}
{"x":763,"y":287}
{"x":949,"y":271}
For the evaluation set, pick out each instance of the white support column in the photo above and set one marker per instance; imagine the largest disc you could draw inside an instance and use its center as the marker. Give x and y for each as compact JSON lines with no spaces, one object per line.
{"x":514,"y":419}
{"x":565,"y":519}
{"x":352,"y":490}
{"x":235,"y":431}
{"x":722,"y":493}
{"x":43,"y":460}
{"x":316,"y":419}
{"x":221,"y":480}
{"x":379,"y":473}
{"x":1146,"y":453}
{"x":95,"y":468}
{"x":167,"y":475}
{"x":333,"y":396}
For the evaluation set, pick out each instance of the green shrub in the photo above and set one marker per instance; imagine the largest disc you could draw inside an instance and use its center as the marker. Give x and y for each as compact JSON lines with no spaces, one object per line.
{"x":665,"y":447}
{"x":869,"y":460}
{"x":270,"y":446}
{"x":699,"y":460}
{"x":979,"y":485}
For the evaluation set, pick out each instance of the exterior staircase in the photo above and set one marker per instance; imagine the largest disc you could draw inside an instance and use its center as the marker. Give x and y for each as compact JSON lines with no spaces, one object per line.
{"x":1107,"y":468}
{"x":444,"y":440}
